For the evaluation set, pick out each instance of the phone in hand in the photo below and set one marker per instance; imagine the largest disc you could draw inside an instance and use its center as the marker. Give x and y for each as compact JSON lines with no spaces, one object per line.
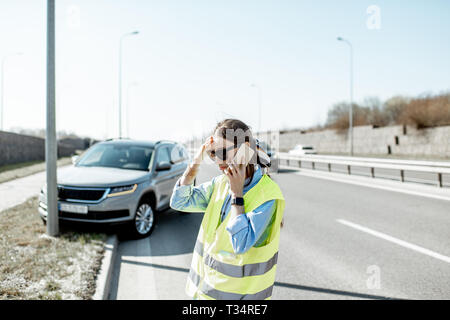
{"x":243,"y":155}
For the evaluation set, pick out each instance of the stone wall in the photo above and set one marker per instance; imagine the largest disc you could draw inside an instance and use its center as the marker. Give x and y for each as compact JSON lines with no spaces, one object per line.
{"x":395,"y":140}
{"x":17,"y":148}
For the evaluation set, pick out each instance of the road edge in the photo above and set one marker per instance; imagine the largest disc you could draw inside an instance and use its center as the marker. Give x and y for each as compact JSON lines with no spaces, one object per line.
{"x":103,"y":282}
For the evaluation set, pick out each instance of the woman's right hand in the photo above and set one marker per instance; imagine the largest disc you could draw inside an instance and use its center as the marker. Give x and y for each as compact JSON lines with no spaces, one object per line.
{"x":201,"y":153}
{"x":192,"y":169}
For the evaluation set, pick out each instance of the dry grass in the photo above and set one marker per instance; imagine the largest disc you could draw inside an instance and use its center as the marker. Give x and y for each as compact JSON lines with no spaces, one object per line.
{"x":428,"y":111}
{"x":35,"y":266}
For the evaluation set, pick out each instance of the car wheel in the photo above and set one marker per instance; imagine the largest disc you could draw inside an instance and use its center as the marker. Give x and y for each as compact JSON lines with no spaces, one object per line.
{"x":144,"y":221}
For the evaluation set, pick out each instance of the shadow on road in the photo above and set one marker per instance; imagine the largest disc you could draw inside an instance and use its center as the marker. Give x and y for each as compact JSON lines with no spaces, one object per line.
{"x":284,"y":170}
{"x":333,"y":291}
{"x":175,"y":233}
{"x":279,"y":284}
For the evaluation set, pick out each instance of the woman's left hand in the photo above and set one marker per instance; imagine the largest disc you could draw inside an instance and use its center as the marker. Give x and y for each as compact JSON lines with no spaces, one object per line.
{"x":236,"y":176}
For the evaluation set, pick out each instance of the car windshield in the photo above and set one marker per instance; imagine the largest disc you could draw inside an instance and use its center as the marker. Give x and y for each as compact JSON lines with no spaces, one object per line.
{"x":117,"y":156}
{"x":307,"y":148}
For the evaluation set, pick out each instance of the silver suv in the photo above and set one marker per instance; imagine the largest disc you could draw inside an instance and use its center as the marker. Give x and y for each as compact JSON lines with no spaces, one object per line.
{"x":119,"y":181}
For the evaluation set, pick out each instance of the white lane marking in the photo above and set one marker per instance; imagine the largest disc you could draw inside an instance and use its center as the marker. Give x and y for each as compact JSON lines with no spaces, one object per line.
{"x":370,"y":185}
{"x":396,"y":241}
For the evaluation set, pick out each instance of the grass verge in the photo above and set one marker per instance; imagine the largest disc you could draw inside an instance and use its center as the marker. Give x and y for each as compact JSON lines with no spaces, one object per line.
{"x":15,"y":166}
{"x":20,"y":170}
{"x":35,"y":266}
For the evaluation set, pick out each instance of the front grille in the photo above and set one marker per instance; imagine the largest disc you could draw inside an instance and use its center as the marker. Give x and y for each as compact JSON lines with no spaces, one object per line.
{"x":95,"y":215}
{"x":65,"y":193}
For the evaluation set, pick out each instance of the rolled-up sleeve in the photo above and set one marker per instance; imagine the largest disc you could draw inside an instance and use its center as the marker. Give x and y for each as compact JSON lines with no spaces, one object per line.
{"x":188,"y":198}
{"x":246,"y":229}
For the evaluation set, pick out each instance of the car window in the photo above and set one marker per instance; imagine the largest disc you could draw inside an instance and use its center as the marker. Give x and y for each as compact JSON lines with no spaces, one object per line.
{"x":163,"y":154}
{"x":185,"y":153}
{"x":178,"y":154}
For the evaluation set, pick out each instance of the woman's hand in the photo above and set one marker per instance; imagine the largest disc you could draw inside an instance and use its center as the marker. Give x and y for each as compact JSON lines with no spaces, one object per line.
{"x":201,"y":153}
{"x":236,"y":176}
{"x":192,"y":169}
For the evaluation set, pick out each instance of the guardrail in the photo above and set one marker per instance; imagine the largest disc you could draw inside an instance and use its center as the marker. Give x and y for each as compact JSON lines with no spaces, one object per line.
{"x":439,"y":168}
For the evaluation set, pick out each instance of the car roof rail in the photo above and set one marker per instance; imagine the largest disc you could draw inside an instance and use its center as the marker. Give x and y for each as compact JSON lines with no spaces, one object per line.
{"x":121,"y":138}
{"x":163,"y":141}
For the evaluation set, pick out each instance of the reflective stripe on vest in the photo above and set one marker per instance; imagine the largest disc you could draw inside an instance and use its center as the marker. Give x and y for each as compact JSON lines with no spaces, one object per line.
{"x":222,"y":295}
{"x":252,"y":269}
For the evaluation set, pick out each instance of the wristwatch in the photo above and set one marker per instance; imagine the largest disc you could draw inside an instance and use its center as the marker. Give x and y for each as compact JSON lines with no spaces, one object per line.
{"x":239,"y":201}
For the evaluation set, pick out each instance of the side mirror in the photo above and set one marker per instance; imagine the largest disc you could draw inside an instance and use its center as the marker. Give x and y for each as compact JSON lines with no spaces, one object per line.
{"x":75,"y":159}
{"x":163,"y":165}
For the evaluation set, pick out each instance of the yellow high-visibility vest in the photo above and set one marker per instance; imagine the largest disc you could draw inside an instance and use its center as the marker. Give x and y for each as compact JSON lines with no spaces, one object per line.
{"x":219,"y":273}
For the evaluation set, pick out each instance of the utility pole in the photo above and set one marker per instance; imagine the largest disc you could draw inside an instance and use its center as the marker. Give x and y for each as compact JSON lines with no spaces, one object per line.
{"x":51,"y":148}
{"x":120,"y":77}
{"x":128,"y":106}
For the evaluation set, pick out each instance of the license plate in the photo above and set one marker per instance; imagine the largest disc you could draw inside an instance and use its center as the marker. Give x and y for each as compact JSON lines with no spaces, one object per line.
{"x":74,"y":208}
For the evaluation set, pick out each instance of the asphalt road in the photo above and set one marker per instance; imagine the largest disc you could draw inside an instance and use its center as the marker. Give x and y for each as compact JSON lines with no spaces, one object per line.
{"x":339,"y":241}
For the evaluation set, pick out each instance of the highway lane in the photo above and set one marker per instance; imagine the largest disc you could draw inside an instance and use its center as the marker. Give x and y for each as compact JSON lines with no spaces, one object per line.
{"x":320,"y":257}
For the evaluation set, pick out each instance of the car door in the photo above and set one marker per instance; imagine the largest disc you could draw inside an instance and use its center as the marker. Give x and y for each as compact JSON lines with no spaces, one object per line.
{"x":163,"y":179}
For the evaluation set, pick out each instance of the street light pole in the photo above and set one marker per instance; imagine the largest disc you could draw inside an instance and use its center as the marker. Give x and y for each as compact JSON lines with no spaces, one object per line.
{"x":51,"y":151}
{"x":120,"y":78}
{"x":2,"y":86}
{"x":351,"y":94}
{"x":259,"y":104}
{"x":128,"y":106}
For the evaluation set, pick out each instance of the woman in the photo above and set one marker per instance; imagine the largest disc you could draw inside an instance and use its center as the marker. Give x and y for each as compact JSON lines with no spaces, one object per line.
{"x":237,"y":246}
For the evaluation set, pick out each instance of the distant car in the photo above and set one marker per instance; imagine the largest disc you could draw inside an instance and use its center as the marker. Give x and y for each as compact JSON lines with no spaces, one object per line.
{"x":301,"y":150}
{"x":272,"y":155}
{"x":119,"y":181}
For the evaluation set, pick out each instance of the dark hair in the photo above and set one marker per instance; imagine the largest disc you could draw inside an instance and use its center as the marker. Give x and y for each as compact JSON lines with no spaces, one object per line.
{"x":235,"y":124}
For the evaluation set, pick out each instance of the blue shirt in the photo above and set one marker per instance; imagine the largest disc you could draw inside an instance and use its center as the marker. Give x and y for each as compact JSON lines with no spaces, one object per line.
{"x":246,"y":230}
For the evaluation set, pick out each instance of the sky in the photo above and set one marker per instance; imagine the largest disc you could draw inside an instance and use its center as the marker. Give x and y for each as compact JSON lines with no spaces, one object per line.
{"x":193,"y":63}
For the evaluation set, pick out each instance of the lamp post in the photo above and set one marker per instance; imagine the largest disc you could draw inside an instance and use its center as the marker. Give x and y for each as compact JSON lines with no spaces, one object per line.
{"x":51,"y":149}
{"x":120,"y":78}
{"x":259,"y":104}
{"x":132,"y":84}
{"x":2,"y":85}
{"x":351,"y":93}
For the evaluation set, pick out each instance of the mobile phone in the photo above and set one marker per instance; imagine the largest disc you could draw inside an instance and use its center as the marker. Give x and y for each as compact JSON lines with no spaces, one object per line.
{"x":243,"y":155}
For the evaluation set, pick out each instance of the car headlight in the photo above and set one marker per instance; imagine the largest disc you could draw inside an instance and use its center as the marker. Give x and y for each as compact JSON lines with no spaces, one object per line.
{"x":119,"y":191}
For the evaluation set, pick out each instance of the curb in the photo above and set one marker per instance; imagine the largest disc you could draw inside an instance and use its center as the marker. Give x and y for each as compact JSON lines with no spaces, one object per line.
{"x":104,"y":276}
